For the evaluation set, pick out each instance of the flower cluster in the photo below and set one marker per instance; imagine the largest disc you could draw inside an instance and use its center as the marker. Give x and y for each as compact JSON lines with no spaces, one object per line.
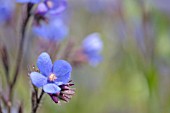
{"x":90,"y":51}
{"x":54,"y":79}
{"x":47,"y":24}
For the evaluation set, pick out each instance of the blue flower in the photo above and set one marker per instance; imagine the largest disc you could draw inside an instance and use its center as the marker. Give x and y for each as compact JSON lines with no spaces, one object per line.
{"x":51,"y":76}
{"x":6,"y":9}
{"x":54,"y":30}
{"x":92,"y":47}
{"x":51,"y":7}
{"x":28,"y":1}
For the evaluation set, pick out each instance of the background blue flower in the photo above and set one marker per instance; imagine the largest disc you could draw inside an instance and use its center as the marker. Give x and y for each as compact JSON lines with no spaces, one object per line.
{"x":92,"y":47}
{"x":51,"y":76}
{"x":26,"y":1}
{"x":54,"y":30}
{"x":6,"y":10}
{"x":51,"y":7}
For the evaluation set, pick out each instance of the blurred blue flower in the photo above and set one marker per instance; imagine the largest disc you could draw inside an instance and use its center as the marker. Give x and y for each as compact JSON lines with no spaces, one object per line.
{"x":54,"y":30}
{"x":51,"y":7}
{"x":51,"y":76}
{"x":95,"y":6}
{"x":99,"y":6}
{"x":28,"y":1}
{"x":6,"y":9}
{"x":162,"y":5}
{"x":92,"y":47}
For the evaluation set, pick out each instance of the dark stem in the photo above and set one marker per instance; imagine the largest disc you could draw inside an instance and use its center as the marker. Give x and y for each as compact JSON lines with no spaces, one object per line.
{"x":20,"y":110}
{"x":34,"y":109}
{"x":5,"y":60}
{"x":36,"y":92}
{"x":20,"y":52}
{"x":19,"y":57}
{"x":34,"y":96}
{"x":2,"y":98}
{"x":0,"y":108}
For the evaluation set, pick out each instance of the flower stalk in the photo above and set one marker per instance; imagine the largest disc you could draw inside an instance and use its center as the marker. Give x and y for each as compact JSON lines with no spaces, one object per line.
{"x":37,"y":103}
{"x":19,"y":57}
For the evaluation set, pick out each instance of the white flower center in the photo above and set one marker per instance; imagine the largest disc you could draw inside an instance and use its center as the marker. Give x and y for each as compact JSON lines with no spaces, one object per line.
{"x":52,"y":77}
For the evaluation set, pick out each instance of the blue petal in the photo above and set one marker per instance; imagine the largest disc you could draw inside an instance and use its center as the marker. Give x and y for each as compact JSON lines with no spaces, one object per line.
{"x":38,"y":79}
{"x":44,"y":63}
{"x":58,"y":6}
{"x":51,"y":88}
{"x":93,"y":43}
{"x":6,"y":10}
{"x":55,"y":30}
{"x":26,"y":1}
{"x":62,"y":69}
{"x":41,"y":8}
{"x":95,"y":59}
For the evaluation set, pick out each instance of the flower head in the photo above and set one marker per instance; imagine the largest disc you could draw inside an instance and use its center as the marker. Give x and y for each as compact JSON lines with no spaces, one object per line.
{"x":54,"y":30}
{"x":51,"y":76}
{"x":92,"y":47}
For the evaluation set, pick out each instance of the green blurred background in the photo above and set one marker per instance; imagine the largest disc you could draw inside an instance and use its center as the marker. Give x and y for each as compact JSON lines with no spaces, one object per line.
{"x":134,"y":76}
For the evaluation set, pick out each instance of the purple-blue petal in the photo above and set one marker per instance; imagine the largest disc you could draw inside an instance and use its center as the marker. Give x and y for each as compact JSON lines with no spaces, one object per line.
{"x":62,"y":69}
{"x":38,"y":79}
{"x":54,"y":30}
{"x":27,"y":1}
{"x":93,"y":43}
{"x":63,"y":79}
{"x":95,"y":59}
{"x":51,"y":88}
{"x":44,"y":64}
{"x":59,"y":6}
{"x":55,"y":7}
{"x":41,"y":8}
{"x":6,"y":10}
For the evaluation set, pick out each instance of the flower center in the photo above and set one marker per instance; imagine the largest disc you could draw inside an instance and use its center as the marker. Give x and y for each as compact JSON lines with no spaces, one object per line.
{"x":52,"y":77}
{"x":50,"y":4}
